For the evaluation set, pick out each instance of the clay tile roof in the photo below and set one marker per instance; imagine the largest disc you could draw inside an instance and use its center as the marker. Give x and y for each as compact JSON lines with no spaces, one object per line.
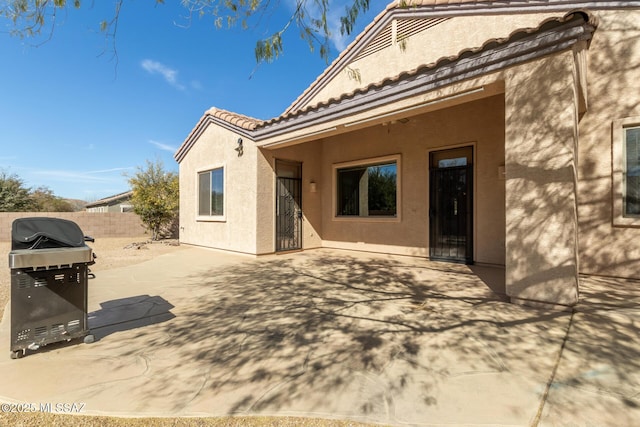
{"x":250,"y":124}
{"x":236,"y":120}
{"x":520,"y":32}
{"x":239,"y":120}
{"x":345,"y":52}
{"x":396,"y":4}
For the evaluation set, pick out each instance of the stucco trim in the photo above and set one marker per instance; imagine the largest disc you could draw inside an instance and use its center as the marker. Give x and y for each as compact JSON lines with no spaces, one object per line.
{"x":617,"y":170}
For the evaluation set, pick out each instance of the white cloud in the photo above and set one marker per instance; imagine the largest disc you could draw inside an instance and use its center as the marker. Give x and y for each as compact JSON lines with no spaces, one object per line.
{"x":168,"y":74}
{"x":111,"y":170}
{"x":165,"y":147}
{"x":79,"y":176}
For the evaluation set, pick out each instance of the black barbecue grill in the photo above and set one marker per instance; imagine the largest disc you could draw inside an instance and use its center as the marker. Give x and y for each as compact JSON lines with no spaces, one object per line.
{"x":49,"y":262}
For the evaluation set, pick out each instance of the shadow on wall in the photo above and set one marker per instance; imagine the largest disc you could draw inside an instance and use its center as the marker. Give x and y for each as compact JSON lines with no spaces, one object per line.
{"x":614,"y":72}
{"x":541,"y":183}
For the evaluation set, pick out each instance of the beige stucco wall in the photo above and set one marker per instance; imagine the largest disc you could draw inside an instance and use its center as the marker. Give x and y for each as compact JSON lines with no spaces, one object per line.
{"x":540,"y":141}
{"x":237,"y":230}
{"x":310,"y":155}
{"x":479,"y":123}
{"x":614,"y":76}
{"x":425,"y":47}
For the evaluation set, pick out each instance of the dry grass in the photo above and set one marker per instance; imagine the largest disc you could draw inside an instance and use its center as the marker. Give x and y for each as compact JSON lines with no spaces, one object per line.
{"x":120,"y":252}
{"x":44,"y":419}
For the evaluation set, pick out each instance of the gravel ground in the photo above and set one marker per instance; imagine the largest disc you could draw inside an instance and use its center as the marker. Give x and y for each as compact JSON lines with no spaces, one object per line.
{"x":120,"y":252}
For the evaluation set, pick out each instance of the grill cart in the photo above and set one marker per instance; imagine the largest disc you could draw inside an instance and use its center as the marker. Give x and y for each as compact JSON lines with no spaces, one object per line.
{"x":49,"y":264}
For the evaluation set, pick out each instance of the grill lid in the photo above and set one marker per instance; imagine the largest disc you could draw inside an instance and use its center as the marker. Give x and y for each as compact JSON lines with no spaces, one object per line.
{"x":45,"y":233}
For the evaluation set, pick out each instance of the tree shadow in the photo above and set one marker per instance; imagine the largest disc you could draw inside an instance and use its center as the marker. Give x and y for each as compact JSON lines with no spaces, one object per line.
{"x":315,"y":330}
{"x":598,"y":370}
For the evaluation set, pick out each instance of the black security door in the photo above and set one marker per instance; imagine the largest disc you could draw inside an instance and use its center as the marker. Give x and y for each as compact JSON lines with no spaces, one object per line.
{"x":288,"y":206}
{"x":451,"y":205}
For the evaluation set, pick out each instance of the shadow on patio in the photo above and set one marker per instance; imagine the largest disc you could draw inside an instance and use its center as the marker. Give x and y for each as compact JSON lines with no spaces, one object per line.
{"x":598,"y":376}
{"x":388,"y":339}
{"x":340,"y":334}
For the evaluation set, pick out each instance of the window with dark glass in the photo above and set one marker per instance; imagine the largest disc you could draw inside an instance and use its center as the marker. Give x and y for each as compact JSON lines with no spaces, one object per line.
{"x":632,"y":171}
{"x":211,"y":192}
{"x":368,"y":190}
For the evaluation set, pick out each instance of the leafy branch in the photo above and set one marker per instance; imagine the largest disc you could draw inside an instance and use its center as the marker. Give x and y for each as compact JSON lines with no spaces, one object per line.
{"x":30,"y":17}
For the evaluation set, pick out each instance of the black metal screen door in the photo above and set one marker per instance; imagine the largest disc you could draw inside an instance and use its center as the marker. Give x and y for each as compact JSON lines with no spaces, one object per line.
{"x":288,"y":206}
{"x":451,"y":205}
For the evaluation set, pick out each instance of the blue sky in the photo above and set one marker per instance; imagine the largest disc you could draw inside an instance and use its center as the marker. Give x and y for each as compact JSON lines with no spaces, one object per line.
{"x":76,"y":120}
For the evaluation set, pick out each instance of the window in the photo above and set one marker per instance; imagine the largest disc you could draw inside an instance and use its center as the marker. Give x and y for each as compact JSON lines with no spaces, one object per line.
{"x":632,"y":172}
{"x":367,"y":190}
{"x":626,"y":172}
{"x":211,"y":192}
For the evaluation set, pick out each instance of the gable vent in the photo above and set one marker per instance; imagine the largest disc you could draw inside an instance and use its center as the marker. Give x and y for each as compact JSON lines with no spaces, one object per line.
{"x":383,"y":40}
{"x":411,"y":27}
{"x":396,"y":31}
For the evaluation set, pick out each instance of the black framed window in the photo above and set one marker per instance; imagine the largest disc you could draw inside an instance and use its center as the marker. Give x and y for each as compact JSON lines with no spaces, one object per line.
{"x":632,"y":172}
{"x":211,"y":192}
{"x":368,"y":190}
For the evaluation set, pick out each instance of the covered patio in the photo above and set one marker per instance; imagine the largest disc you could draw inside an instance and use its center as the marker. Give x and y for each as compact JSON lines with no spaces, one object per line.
{"x":478,"y":152}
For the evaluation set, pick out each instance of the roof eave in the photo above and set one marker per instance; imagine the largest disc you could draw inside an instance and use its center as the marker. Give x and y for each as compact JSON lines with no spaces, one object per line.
{"x":552,"y":36}
{"x":110,"y":199}
{"x":494,"y":56}
{"x":417,"y":10}
{"x":208,"y":118}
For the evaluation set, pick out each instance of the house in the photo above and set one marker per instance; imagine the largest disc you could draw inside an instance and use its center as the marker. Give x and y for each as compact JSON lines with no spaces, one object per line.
{"x":117,"y":203}
{"x":501,"y":133}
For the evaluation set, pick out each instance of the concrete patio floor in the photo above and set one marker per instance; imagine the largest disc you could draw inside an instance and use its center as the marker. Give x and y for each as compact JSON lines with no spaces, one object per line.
{"x":337,"y":334}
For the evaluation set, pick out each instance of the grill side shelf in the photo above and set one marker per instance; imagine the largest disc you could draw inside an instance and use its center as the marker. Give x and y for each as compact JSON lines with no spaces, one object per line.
{"x":49,"y":258}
